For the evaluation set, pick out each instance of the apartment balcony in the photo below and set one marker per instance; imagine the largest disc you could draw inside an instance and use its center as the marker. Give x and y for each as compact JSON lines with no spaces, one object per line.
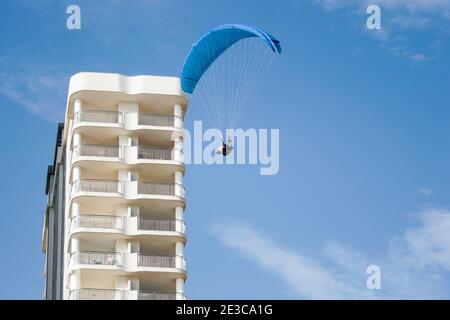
{"x":168,"y":189}
{"x":96,"y":258}
{"x":149,"y":119}
{"x":118,"y":294}
{"x":153,"y":153}
{"x":127,"y":262}
{"x":95,"y":150}
{"x":150,"y":295}
{"x":155,"y":261}
{"x":97,"y":222}
{"x":160,"y":161}
{"x":127,"y":226}
{"x":96,"y":294}
{"x":108,"y":151}
{"x":128,"y":190}
{"x":110,"y":187}
{"x":99,"y":117}
{"x":120,"y":122}
{"x":147,"y":224}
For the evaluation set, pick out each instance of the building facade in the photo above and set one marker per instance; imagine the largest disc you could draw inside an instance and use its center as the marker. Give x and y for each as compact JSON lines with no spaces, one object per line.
{"x":114,"y":226}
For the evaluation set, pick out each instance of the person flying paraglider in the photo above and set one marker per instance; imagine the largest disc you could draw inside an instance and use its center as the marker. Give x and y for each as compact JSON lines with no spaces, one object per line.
{"x":229,"y":59}
{"x":225,"y":149}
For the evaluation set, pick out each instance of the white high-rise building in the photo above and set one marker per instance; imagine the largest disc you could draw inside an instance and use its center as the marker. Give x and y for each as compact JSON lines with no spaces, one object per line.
{"x":114,"y":226}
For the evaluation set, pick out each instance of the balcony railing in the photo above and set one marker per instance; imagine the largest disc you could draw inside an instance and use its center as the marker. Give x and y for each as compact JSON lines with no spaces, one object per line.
{"x":96,"y":294}
{"x":157,"y":261}
{"x":165,"y":189}
{"x":97,"y":221}
{"x":160,"y":225}
{"x":97,"y":258}
{"x":114,"y":186}
{"x":154,"y":153}
{"x":95,"y":150}
{"x":117,"y":222}
{"x":113,"y":294}
{"x":148,"y":295}
{"x":108,"y":186}
{"x":117,"y":117}
{"x":149,"y":119}
{"x":98,"y":116}
{"x":156,"y":188}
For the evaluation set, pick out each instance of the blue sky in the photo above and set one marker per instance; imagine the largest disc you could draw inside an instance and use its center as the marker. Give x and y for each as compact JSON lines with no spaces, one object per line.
{"x":364,"y":142}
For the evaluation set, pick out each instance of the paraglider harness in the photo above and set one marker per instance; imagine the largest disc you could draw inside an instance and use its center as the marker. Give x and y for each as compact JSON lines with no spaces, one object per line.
{"x":226,"y":148}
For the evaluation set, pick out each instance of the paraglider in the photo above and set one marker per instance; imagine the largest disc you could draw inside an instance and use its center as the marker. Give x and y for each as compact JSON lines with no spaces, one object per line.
{"x":206,"y":50}
{"x":222,"y":68}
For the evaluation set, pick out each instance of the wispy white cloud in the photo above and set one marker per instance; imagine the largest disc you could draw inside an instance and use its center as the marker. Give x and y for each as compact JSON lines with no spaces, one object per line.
{"x":430,"y":244}
{"x":415,"y":266}
{"x":441,"y":7}
{"x":39,"y":89}
{"x":304,"y":275}
{"x":402,"y":20}
{"x":425,"y":191}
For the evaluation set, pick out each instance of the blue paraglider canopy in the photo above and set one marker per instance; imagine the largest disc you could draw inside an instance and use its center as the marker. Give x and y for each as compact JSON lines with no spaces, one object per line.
{"x":209,"y":47}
